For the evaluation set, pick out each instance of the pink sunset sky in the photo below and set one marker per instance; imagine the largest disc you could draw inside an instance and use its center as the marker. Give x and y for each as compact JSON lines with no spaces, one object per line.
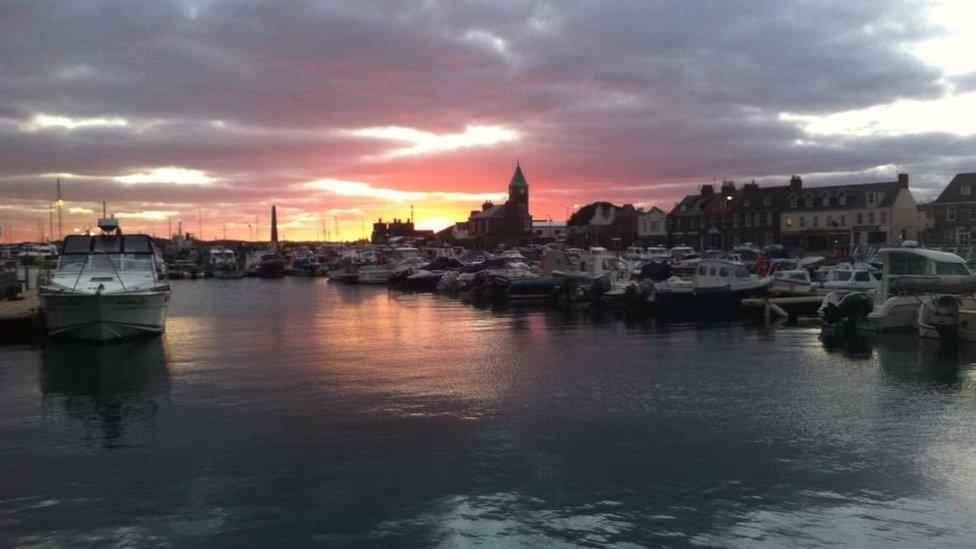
{"x":343,"y":112}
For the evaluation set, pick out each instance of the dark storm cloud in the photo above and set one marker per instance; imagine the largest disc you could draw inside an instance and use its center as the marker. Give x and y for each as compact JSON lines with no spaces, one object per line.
{"x":603,"y":94}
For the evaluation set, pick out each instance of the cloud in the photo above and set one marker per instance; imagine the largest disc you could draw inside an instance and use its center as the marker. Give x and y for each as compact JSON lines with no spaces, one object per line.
{"x":433,"y":102}
{"x":41,"y":121}
{"x":342,"y":212}
{"x":178,"y":176}
{"x":422,"y":142}
{"x":80,"y":210}
{"x":953,"y":114}
{"x":359,"y":189}
{"x":150,"y":215}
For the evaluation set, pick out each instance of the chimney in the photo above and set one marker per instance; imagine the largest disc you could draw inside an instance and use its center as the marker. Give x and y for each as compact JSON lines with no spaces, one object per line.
{"x":707,"y":190}
{"x":486,"y":205}
{"x":796,"y":183}
{"x":728,"y":186}
{"x":903,"y":180}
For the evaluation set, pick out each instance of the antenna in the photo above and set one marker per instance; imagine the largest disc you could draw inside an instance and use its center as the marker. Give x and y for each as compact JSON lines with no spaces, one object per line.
{"x":103,"y":209}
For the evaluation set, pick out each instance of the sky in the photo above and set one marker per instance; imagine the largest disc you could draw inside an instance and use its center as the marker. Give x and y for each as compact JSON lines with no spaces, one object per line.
{"x":208,"y":111}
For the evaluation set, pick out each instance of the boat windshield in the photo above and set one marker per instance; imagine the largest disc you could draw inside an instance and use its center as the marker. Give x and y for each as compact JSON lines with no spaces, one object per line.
{"x":839,"y":275}
{"x":946,"y":268}
{"x":106,"y":252}
{"x":105,"y":262}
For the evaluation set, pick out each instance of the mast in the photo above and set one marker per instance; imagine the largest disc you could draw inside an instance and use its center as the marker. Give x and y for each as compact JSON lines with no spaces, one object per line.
{"x":60,"y":202}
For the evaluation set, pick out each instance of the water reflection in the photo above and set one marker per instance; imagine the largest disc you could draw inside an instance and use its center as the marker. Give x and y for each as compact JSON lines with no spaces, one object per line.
{"x":305,"y":413}
{"x":901,"y":356}
{"x":106,"y":387}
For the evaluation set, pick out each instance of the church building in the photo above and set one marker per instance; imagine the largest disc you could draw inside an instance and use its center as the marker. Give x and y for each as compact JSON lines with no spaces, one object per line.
{"x":504,"y":222}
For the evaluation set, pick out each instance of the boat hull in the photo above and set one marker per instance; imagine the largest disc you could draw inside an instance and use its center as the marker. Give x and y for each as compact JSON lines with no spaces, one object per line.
{"x":220,"y":273}
{"x":104,"y":317}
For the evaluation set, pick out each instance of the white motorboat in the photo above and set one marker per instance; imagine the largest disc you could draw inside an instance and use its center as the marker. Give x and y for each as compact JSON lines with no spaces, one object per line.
{"x":222,"y":263}
{"x":911,"y":277}
{"x":850,"y":276}
{"x":374,"y":273}
{"x":106,"y":287}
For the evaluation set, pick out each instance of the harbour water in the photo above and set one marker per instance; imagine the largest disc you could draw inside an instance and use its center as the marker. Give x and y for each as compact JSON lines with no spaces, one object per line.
{"x":294,"y":412}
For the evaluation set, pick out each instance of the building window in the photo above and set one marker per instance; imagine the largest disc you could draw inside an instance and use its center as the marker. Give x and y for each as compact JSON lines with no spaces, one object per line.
{"x":826,"y":200}
{"x":972,"y":212}
{"x":870,"y":218}
{"x":747,"y":220}
{"x":860,"y":218}
{"x":965,"y":190}
{"x":769,"y":219}
{"x":842,"y":199}
{"x":884,"y":217}
{"x":767,"y":201}
{"x":803,"y":222}
{"x":843,"y":220}
{"x":872,"y":198}
{"x":792,"y":201}
{"x":950,"y":213}
{"x":757,"y":219}
{"x":816,"y":221}
{"x":809,"y":202}
{"x":654,"y":225}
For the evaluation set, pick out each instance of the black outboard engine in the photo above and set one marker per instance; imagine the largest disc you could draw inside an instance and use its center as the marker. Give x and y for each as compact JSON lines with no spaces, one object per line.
{"x":945,"y":318}
{"x":852,"y":308}
{"x":598,"y":288}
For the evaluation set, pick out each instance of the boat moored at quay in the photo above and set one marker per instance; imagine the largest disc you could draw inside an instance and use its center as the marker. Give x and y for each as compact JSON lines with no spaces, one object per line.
{"x":912,"y":278}
{"x":105,"y":287}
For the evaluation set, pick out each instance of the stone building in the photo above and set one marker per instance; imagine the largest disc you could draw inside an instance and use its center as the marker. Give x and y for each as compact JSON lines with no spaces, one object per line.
{"x":508,"y":222}
{"x":954,"y":212}
{"x":652,"y":228}
{"x":842,"y":216}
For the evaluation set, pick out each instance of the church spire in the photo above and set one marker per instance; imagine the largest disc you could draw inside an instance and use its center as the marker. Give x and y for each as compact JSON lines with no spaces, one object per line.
{"x":518,"y":179}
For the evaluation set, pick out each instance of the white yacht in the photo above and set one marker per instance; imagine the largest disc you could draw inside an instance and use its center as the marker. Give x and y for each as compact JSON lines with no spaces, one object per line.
{"x":910,"y":277}
{"x":222,"y":263}
{"x":850,"y":276}
{"x":374,"y":273}
{"x":106,"y":287}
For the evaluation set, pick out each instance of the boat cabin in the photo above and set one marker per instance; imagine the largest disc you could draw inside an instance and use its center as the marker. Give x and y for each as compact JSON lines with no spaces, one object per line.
{"x":914,"y":271}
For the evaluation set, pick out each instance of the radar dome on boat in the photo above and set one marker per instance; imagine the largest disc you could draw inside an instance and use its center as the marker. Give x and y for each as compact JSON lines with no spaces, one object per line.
{"x":108,"y":224}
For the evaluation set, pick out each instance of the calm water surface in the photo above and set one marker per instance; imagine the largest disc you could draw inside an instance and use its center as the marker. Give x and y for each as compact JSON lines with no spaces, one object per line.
{"x":295,"y":412}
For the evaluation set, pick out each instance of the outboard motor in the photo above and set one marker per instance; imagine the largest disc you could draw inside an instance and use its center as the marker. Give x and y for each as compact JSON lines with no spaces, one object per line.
{"x":944,"y":317}
{"x":851,"y":308}
{"x":599,"y":287}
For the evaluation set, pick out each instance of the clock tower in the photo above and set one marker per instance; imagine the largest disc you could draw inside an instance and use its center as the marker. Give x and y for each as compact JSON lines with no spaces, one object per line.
{"x":518,"y":191}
